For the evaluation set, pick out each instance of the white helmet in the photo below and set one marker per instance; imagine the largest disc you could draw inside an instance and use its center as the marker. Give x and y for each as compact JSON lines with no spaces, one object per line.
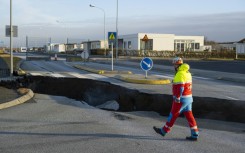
{"x":177,"y":61}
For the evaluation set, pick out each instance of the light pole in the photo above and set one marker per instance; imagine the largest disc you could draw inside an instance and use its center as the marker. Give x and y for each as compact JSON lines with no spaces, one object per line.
{"x":117,"y":32}
{"x":104,"y":25}
{"x":11,"y":41}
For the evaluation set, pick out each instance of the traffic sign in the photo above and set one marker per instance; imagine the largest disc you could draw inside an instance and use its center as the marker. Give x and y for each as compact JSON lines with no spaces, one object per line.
{"x":112,"y":36}
{"x":8,"y":31}
{"x":85,"y":54}
{"x":145,"y":38}
{"x":146,"y":63}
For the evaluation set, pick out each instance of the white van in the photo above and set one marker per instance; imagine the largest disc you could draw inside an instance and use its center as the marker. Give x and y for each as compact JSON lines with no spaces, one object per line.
{"x":23,"y":49}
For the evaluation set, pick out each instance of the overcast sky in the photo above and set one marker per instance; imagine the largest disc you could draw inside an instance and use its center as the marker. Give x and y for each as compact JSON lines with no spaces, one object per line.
{"x":218,"y":20}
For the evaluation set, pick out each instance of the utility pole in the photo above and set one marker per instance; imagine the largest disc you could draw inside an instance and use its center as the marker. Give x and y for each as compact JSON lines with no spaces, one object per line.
{"x":117,"y":33}
{"x":11,"y":41}
{"x":104,"y":26}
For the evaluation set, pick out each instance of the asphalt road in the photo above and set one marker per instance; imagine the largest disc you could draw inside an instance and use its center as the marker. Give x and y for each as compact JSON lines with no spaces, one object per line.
{"x":58,"y":124}
{"x":202,"y":87}
{"x":212,"y":65}
{"x":230,"y":66}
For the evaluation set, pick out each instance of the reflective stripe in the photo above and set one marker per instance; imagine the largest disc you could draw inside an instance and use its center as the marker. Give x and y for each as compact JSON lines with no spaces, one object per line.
{"x":186,"y":96}
{"x":176,"y":83}
{"x":194,"y":127}
{"x":167,"y":127}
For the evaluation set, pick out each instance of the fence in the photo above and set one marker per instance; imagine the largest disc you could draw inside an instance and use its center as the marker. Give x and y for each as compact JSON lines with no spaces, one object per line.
{"x":4,"y":72}
{"x":170,"y":54}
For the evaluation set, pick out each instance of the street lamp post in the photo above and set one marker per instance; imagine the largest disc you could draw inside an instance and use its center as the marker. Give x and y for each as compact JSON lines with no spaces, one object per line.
{"x":117,"y":33}
{"x":104,"y":25}
{"x":11,"y":41}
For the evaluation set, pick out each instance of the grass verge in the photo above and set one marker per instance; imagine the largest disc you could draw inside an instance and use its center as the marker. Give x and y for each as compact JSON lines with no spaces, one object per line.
{"x":6,"y":59}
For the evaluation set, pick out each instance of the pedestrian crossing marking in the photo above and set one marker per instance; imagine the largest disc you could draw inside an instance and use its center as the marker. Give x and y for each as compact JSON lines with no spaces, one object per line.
{"x":36,"y":74}
{"x":77,"y":75}
{"x":58,"y":75}
{"x":97,"y":76}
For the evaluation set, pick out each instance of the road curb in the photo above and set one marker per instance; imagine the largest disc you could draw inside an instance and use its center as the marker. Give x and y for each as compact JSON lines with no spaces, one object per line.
{"x":18,"y":101}
{"x":89,"y":69}
{"x":18,"y":70}
{"x":126,"y":79}
{"x":145,"y":81}
{"x":101,"y":71}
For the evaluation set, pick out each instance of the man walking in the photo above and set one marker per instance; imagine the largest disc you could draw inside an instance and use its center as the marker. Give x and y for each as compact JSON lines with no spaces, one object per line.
{"x":182,"y":100}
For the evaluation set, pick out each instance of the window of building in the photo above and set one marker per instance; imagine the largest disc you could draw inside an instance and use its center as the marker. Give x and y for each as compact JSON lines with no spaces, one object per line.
{"x":178,"y":46}
{"x":182,"y":47}
{"x":197,"y":45}
{"x":98,"y":45}
{"x":192,"y":45}
{"x":124,"y":44}
{"x":93,"y":46}
{"x":129,"y":45}
{"x":149,"y":44}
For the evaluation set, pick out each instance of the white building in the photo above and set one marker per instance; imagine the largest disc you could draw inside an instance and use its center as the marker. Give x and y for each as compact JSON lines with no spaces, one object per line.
{"x":56,"y":47}
{"x":51,"y":47}
{"x":228,"y":45}
{"x":240,"y":47}
{"x":95,"y":44}
{"x":59,"y":48}
{"x":161,"y":42}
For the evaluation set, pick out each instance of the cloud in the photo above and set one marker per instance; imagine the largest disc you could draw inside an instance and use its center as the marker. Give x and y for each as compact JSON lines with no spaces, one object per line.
{"x":220,"y":27}
{"x":26,"y":13}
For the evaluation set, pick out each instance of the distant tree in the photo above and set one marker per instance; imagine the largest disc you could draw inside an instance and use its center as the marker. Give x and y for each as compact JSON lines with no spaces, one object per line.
{"x":209,"y":42}
{"x":215,"y":45}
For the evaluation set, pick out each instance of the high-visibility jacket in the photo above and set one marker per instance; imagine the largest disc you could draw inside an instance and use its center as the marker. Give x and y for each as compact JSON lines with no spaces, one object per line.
{"x":182,"y":83}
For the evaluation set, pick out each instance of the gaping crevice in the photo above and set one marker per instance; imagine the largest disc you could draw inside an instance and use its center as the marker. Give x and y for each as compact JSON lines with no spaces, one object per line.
{"x":96,"y":92}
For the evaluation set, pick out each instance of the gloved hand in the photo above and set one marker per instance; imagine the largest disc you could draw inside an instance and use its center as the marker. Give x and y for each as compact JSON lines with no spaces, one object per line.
{"x":177,"y":100}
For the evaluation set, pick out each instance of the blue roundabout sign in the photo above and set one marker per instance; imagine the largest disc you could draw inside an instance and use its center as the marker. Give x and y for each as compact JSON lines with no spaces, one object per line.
{"x":146,"y":63}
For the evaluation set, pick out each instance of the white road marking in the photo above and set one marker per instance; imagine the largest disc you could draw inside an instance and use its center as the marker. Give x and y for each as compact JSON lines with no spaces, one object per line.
{"x":202,"y":78}
{"x":77,"y":75}
{"x":36,"y":74}
{"x":97,"y":76}
{"x":231,"y":98}
{"x":57,"y":75}
{"x":165,"y":76}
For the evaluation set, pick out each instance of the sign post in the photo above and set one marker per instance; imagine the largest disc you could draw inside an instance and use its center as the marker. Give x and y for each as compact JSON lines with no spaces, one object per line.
{"x":112,"y":38}
{"x":146,"y":64}
{"x":11,"y":31}
{"x":112,"y":56}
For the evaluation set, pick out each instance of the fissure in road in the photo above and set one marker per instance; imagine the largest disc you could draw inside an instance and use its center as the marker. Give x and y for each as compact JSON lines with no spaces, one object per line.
{"x":96,"y":92}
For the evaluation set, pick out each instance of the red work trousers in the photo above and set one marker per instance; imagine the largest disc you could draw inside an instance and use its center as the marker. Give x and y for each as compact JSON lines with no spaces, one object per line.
{"x":177,"y":109}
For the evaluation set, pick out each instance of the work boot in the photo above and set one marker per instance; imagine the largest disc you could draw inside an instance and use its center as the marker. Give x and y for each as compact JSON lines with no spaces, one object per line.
{"x":191,"y":138}
{"x":159,"y":131}
{"x":194,"y":135}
